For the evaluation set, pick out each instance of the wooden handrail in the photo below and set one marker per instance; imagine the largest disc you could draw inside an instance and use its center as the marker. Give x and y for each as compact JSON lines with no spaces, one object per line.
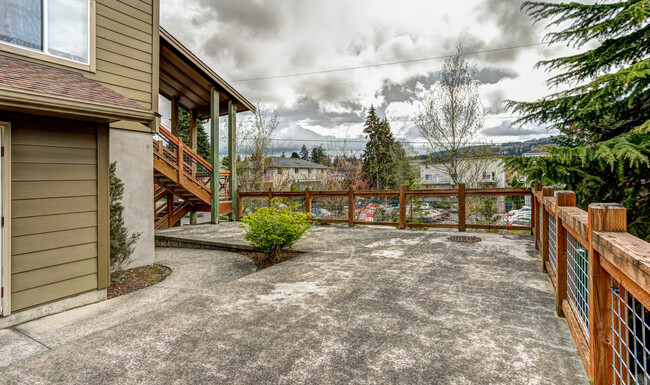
{"x":617,"y":261}
{"x":403,"y":194}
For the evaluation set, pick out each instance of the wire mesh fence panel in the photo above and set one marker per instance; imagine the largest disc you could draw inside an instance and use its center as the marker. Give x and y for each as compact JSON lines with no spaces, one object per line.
{"x":578,"y":282}
{"x":552,"y":258}
{"x":376,"y":209}
{"x":250,"y":205}
{"x":630,"y":337}
{"x":329,"y":208}
{"x":500,"y":210}
{"x":295,"y":203}
{"x":442,"y":210}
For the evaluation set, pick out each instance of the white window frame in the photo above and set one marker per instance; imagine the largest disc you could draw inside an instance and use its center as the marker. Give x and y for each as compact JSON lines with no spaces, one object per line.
{"x":5,"y":253}
{"x":43,"y":55}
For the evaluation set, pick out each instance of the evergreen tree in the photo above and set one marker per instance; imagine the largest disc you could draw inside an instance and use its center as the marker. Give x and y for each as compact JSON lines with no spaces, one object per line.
{"x":379,"y":154}
{"x":122,"y":243}
{"x":318,"y":154}
{"x":604,"y":143}
{"x":295,"y":155}
{"x":202,"y":140}
{"x":304,"y":153}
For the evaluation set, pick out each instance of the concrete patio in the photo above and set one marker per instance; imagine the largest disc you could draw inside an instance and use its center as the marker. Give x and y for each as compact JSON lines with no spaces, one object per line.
{"x":362,"y":305}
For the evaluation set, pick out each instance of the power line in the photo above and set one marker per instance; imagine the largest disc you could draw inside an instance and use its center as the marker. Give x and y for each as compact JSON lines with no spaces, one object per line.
{"x":381,"y":64}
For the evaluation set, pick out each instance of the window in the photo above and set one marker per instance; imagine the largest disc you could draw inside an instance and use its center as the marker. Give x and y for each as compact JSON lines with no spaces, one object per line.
{"x":309,"y":171}
{"x":437,"y":178}
{"x":489,"y":175}
{"x":428,"y":177}
{"x":59,"y":28}
{"x":296,"y":170}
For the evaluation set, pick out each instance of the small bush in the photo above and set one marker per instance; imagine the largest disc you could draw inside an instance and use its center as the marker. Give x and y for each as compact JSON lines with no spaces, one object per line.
{"x":122,"y":243}
{"x":275,"y":228}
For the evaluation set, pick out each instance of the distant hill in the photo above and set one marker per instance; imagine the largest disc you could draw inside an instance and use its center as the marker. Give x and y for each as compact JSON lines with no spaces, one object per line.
{"x":512,"y":148}
{"x":518,"y":148}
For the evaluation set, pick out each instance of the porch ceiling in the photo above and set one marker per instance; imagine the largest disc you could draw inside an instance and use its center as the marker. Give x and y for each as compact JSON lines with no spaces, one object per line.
{"x":185,"y":76}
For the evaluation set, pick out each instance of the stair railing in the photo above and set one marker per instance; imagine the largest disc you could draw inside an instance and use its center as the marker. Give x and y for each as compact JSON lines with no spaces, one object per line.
{"x":171,"y":149}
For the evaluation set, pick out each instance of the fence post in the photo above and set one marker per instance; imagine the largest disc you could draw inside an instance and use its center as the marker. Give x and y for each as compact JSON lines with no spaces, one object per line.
{"x":308,"y":202}
{"x":461,"y":207}
{"x":351,"y":207}
{"x":238,"y":203}
{"x":402,"y":207}
{"x":562,"y":199}
{"x":536,"y":202}
{"x":270,"y":196}
{"x":601,"y":217}
{"x":546,"y":192}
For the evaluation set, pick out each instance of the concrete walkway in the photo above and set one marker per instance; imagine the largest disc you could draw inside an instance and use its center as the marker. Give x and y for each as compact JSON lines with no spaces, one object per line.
{"x":364,"y":305}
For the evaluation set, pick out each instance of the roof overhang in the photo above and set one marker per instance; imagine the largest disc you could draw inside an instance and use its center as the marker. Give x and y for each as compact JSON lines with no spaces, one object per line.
{"x":32,"y":103}
{"x":186,"y":77}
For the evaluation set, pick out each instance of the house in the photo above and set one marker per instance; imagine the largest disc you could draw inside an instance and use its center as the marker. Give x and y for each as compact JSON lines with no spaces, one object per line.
{"x":79,"y":89}
{"x":488,"y":172}
{"x":301,"y":173}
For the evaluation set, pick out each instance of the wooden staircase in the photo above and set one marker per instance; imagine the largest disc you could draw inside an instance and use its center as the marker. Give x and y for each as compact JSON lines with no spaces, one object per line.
{"x":182,"y":181}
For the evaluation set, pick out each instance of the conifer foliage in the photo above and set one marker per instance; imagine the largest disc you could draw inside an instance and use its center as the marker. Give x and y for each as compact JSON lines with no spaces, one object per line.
{"x":379,"y":155}
{"x":603,"y":151}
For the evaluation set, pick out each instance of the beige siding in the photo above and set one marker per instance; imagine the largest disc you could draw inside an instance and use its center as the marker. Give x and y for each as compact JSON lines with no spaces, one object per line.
{"x":124,"y":47}
{"x":54,"y":209}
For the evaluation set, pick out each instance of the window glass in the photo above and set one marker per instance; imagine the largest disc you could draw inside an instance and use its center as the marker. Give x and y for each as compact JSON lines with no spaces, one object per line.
{"x":20,"y":23}
{"x":68,"y":29}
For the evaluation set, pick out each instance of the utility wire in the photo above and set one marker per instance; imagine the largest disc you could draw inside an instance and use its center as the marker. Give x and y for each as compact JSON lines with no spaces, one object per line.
{"x":381,"y":64}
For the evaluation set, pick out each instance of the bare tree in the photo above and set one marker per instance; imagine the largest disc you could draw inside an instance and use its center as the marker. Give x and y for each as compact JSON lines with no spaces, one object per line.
{"x":256,"y":146}
{"x":450,"y":117}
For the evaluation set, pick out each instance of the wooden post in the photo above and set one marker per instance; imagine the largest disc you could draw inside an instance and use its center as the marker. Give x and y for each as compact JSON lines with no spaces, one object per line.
{"x":175,"y":116}
{"x":351,"y":207}
{"x":308,"y":202}
{"x":402,"y":207}
{"x":563,"y":199}
{"x":461,"y":207}
{"x":170,"y":209}
{"x":270,"y":197}
{"x":180,"y":161}
{"x":601,"y":217}
{"x":546,"y":192}
{"x":535,"y":217}
{"x":239,"y":205}
{"x":214,"y":155}
{"x":232,"y":151}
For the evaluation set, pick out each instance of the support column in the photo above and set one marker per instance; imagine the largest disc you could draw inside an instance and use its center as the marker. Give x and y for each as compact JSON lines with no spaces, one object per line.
{"x":232,"y":154}
{"x":214,"y":154}
{"x":175,"y":116}
{"x":193,"y":146}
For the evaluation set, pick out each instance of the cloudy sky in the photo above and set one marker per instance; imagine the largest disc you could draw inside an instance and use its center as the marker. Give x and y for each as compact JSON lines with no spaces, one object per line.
{"x":244,"y":40}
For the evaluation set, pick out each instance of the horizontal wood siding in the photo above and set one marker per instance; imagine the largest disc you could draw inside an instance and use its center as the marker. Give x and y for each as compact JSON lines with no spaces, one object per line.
{"x":54,"y":209}
{"x":124,"y":48}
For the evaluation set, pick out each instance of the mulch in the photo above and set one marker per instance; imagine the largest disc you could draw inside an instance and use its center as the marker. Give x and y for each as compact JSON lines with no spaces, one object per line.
{"x":130,"y":280}
{"x":262,"y":262}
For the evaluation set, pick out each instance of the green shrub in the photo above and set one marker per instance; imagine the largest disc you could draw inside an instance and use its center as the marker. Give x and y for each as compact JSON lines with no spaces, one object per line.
{"x":275,"y":228}
{"x":122,"y":244}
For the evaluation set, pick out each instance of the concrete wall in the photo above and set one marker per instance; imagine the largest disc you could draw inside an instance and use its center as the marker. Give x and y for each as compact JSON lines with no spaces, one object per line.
{"x":133,"y":153}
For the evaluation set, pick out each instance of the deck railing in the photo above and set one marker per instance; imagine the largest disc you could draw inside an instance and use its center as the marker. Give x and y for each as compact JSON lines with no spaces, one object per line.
{"x":601,"y":277}
{"x":455,"y":208}
{"x":169,"y":149}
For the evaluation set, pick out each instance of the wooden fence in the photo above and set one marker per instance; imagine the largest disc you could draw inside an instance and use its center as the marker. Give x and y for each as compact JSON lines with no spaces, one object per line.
{"x":601,"y":277}
{"x":460,"y":193}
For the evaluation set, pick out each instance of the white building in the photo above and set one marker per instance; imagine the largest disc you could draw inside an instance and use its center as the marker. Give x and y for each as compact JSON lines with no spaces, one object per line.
{"x":300,"y":172}
{"x":483,"y":173}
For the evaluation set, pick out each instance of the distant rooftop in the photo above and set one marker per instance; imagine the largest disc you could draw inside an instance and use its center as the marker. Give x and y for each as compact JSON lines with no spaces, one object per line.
{"x":293,"y":163}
